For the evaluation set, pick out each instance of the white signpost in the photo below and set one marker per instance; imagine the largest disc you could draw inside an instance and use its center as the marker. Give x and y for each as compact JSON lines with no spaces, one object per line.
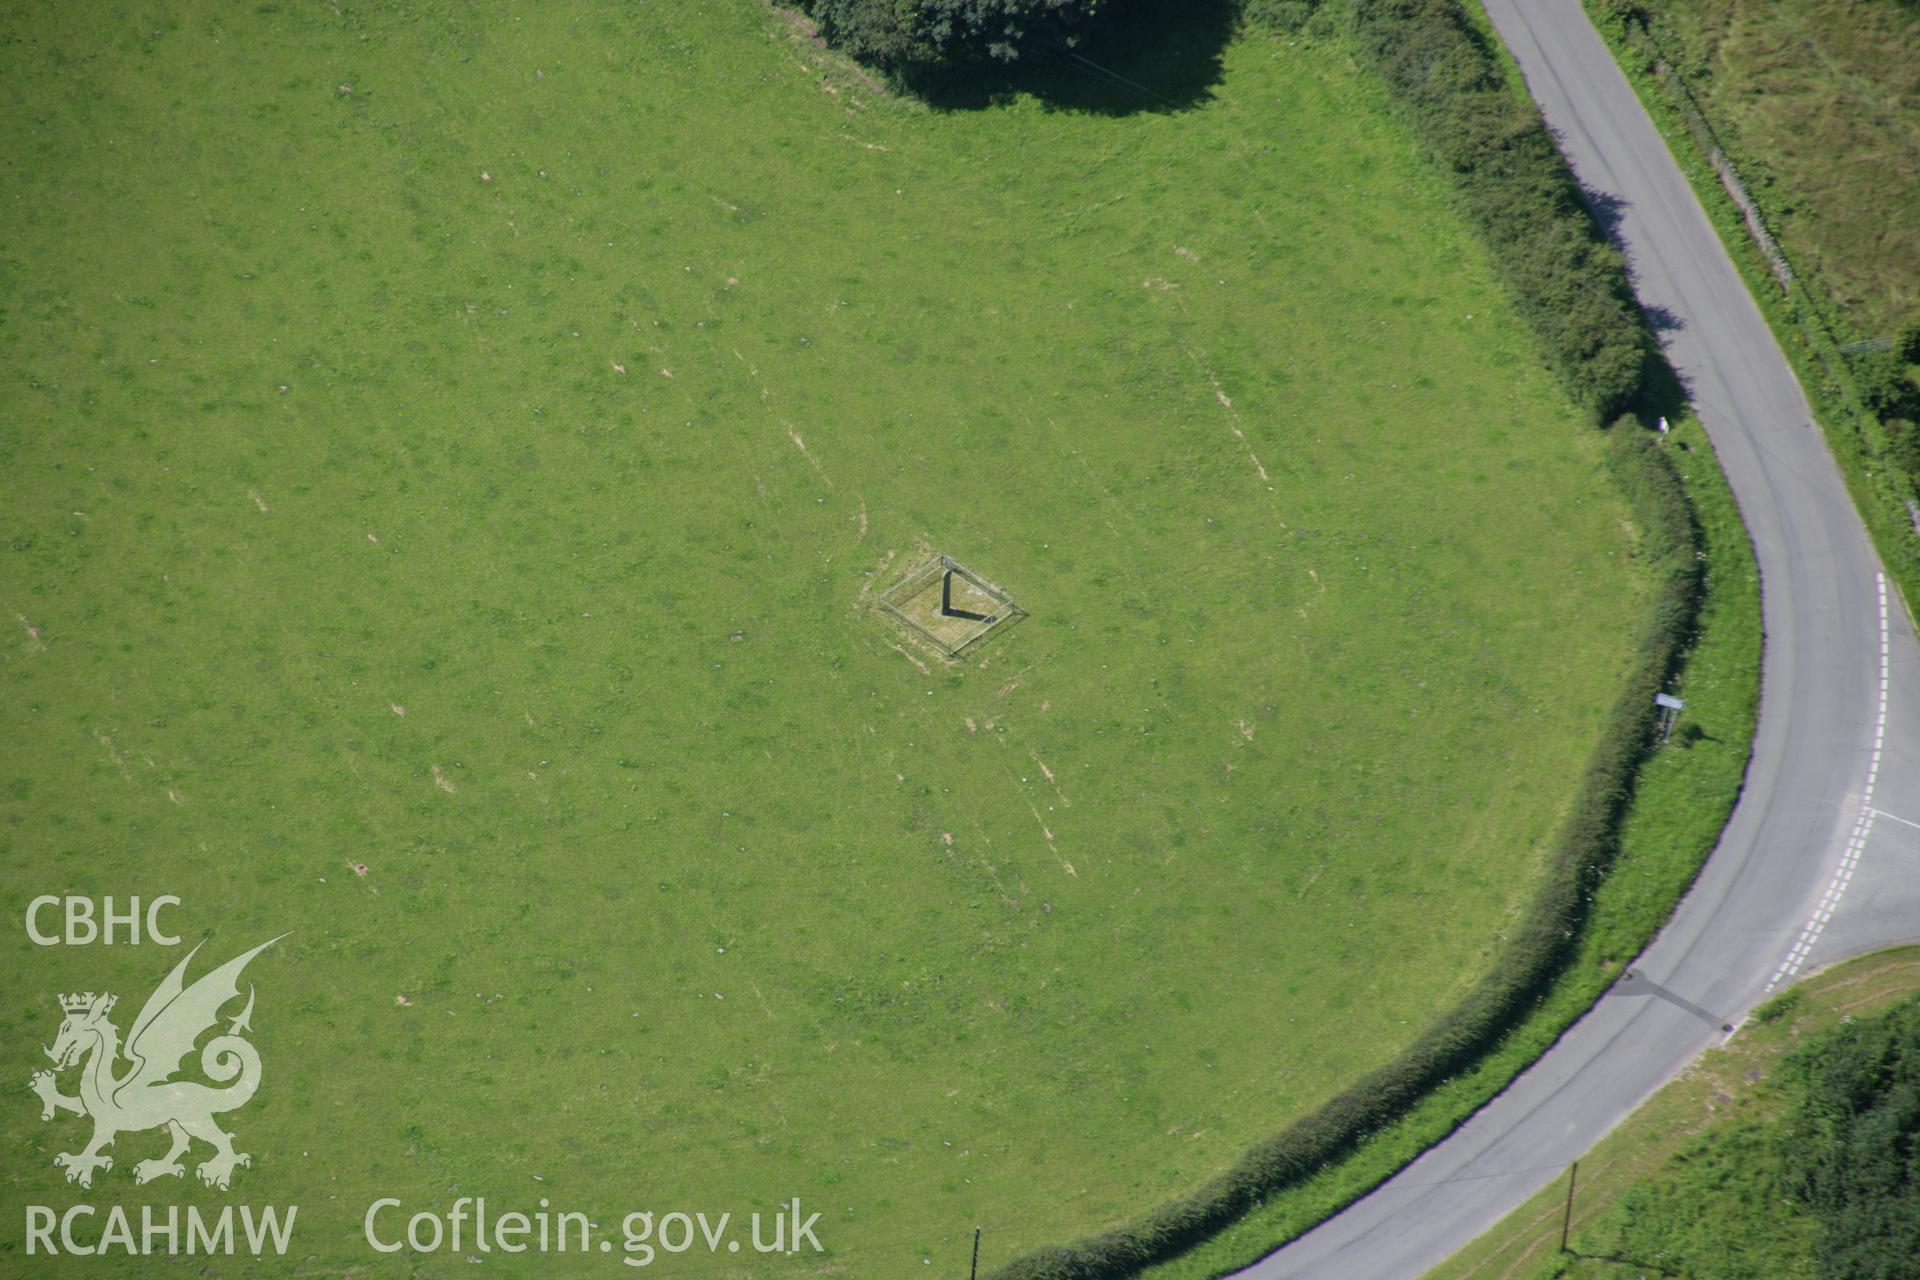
{"x":1670,"y":709}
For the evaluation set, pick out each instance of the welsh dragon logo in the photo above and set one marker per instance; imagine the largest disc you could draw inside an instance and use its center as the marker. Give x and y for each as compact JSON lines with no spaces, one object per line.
{"x":145,"y":1096}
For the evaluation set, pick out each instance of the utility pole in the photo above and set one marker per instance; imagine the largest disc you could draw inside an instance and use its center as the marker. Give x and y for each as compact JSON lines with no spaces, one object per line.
{"x":1566,"y":1219}
{"x":973,"y":1273}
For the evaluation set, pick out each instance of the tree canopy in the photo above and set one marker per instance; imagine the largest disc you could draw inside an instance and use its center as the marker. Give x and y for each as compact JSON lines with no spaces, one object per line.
{"x":902,"y":35}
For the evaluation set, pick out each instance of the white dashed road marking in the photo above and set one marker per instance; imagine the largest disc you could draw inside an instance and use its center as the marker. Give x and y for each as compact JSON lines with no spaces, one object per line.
{"x":1857,"y":841}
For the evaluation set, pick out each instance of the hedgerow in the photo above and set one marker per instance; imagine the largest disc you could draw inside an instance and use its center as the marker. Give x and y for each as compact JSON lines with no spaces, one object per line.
{"x":1849,"y":1146}
{"x":1566,"y":281}
{"x":1535,"y":951}
{"x":1571,"y":288}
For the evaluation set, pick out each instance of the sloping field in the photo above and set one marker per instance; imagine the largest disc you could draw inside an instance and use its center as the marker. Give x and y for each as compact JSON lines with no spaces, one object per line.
{"x":1823,"y":101}
{"x":451,"y":459}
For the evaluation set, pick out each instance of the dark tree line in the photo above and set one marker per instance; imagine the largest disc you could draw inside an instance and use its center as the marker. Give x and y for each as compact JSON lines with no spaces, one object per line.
{"x":1889,"y":381}
{"x":1852,"y":1154}
{"x":909,"y":35}
{"x":1564,"y":278}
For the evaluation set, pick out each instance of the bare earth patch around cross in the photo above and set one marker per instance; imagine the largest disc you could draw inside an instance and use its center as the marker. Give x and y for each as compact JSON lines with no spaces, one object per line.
{"x":948,"y":605}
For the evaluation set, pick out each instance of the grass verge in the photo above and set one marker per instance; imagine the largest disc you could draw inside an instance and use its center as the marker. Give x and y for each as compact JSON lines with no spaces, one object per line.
{"x":1700,"y":1126}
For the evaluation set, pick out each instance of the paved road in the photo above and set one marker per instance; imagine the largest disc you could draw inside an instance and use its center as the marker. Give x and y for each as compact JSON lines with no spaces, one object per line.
{"x":1820,"y":859}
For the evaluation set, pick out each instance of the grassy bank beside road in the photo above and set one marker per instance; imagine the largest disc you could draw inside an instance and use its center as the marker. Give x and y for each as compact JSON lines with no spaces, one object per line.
{"x":1698,"y":1181}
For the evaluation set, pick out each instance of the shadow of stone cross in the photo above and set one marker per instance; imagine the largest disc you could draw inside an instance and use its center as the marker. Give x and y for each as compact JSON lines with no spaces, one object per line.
{"x":950,"y":610}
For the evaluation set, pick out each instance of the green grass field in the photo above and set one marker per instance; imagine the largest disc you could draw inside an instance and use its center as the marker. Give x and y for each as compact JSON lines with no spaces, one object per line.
{"x":465,"y":445}
{"x":1682,"y":797}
